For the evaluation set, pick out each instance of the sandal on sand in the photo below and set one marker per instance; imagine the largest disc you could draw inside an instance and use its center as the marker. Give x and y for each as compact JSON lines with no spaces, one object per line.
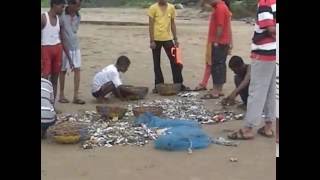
{"x":200,"y":88}
{"x":64,"y":100}
{"x":209,"y":96}
{"x":262,"y":132}
{"x":239,"y":135}
{"x":78,"y":101}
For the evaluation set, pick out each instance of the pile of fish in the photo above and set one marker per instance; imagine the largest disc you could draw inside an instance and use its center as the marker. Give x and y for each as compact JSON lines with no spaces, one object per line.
{"x":187,"y":106}
{"x":86,"y":118}
{"x":224,"y":116}
{"x":99,"y":132}
{"x":102,"y":133}
{"x":107,"y":134}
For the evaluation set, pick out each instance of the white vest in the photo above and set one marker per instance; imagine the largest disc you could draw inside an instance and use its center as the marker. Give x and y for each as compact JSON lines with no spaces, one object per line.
{"x":50,"y":35}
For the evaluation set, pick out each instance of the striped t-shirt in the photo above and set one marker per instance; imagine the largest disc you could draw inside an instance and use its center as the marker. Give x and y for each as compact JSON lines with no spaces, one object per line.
{"x":263,"y":43}
{"x":48,"y":114}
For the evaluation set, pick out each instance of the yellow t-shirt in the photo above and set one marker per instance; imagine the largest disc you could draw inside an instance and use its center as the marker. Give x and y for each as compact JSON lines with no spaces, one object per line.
{"x":162,"y":21}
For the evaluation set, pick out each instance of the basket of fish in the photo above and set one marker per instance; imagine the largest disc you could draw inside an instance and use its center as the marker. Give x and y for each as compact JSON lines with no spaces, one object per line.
{"x":66,"y":133}
{"x":139,"y":93}
{"x":168,"y":89}
{"x":111,"y":112}
{"x":137,"y":111}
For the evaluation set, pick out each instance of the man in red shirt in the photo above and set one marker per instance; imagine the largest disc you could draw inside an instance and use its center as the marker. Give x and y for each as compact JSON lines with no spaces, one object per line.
{"x":262,"y":90}
{"x":220,"y":38}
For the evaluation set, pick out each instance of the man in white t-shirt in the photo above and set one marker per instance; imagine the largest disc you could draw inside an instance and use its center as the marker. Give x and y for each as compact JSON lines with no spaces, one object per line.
{"x":108,"y":80}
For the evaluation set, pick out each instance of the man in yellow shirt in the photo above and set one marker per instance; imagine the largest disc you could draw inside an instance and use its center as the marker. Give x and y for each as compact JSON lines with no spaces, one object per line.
{"x":162,"y":29}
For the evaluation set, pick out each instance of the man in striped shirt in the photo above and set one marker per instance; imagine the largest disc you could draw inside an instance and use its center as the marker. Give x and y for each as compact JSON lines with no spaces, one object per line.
{"x":262,"y":90}
{"x":48,"y":114}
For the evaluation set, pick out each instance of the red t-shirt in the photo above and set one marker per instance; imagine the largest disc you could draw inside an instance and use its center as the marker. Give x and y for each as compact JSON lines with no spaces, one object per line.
{"x":221,"y":16}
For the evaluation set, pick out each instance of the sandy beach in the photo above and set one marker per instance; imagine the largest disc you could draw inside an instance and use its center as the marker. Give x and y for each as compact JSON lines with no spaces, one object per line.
{"x":100,"y":46}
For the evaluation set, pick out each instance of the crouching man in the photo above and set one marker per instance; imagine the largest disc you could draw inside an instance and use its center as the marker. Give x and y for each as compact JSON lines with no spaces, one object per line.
{"x":108,"y":81}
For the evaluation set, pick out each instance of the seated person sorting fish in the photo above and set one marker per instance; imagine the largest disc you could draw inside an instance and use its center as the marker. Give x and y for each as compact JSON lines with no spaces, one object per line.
{"x":241,"y":80}
{"x":108,"y":81}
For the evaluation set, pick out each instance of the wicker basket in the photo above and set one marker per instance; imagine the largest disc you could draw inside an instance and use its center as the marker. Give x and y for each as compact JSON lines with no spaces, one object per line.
{"x":66,"y":132}
{"x":137,"y":111}
{"x":168,"y":89}
{"x":139,"y":93}
{"x":111,"y":112}
{"x":66,"y":139}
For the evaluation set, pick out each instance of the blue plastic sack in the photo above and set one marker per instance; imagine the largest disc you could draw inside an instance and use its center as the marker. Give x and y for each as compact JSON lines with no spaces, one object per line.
{"x":152,"y":121}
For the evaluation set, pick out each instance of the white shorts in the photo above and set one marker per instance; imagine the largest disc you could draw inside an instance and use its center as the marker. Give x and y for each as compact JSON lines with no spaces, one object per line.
{"x":75,"y":56}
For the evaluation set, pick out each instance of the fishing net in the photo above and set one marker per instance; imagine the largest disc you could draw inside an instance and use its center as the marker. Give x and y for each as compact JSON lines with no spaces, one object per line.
{"x":183,"y":138}
{"x":180,"y":134}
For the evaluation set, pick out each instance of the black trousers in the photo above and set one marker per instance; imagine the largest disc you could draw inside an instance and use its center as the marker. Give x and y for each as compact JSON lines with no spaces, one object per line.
{"x":175,"y":68}
{"x":219,"y":67}
{"x":244,"y":93}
